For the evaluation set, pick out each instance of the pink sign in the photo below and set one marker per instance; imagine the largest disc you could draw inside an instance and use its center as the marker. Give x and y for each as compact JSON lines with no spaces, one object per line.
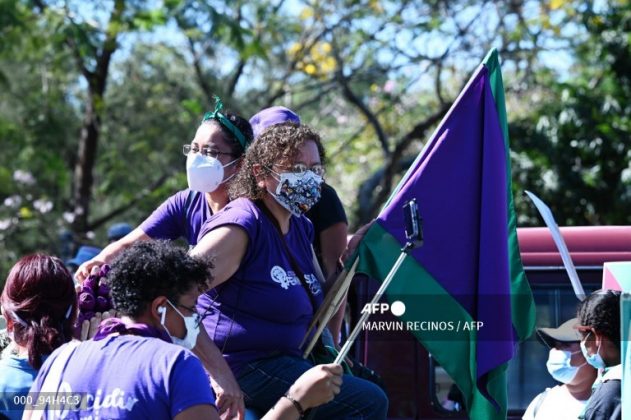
{"x":617,"y":275}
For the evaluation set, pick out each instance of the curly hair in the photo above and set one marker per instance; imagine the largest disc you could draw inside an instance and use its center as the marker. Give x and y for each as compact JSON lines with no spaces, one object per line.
{"x":40,"y":297}
{"x":601,"y":311}
{"x":278,"y":143}
{"x":242,"y":124}
{"x":149,"y":269}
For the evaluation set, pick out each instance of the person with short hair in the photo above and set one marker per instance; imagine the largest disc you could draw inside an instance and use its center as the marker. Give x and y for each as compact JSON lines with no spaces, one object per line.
{"x":266,"y":291}
{"x":139,"y":366}
{"x":327,"y":215}
{"x":599,"y":319}
{"x":567,"y":366}
{"x":39,"y":303}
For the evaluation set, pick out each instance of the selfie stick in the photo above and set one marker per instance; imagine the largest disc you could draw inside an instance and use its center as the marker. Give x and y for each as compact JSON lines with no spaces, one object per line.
{"x":414,"y":240}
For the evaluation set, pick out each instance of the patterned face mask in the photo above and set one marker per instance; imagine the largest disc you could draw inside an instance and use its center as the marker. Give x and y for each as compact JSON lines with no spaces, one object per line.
{"x":298,"y":192}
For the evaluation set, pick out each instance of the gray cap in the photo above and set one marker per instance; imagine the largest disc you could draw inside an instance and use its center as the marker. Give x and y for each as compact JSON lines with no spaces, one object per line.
{"x":565,"y":333}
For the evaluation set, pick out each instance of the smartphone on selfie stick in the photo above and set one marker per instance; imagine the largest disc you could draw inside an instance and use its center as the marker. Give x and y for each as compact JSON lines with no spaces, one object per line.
{"x":413,"y":224}
{"x":414,"y":237}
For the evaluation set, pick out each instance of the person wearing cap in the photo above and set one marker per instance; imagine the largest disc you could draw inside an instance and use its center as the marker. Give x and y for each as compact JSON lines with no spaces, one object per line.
{"x":213,"y":158}
{"x":566,"y":365}
{"x":84,"y":253}
{"x":327,"y":215}
{"x":599,"y":318}
{"x":117,"y":231}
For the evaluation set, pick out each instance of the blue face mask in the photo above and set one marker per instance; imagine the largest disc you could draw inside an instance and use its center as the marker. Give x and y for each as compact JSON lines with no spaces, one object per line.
{"x":593,"y":359}
{"x":559,"y":365}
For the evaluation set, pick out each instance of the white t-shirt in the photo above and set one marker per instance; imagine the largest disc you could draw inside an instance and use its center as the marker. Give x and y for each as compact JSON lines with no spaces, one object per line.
{"x":557,"y":404}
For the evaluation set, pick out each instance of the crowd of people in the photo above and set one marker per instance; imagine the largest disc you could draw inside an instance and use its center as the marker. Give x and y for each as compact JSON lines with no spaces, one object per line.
{"x":244,"y":215}
{"x":209,"y":331}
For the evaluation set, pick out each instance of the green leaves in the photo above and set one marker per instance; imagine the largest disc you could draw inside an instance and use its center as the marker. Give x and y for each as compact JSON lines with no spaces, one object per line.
{"x":335,"y":63}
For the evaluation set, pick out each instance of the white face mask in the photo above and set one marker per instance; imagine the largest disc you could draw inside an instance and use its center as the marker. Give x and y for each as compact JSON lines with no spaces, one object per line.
{"x":205,"y":173}
{"x":191,"y":323}
{"x":559,"y":365}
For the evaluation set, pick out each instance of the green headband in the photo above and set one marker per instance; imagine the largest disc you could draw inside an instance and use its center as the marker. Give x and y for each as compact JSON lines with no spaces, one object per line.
{"x":225,"y":122}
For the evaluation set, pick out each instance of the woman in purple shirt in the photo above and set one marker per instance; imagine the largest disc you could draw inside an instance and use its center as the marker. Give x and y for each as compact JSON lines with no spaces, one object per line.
{"x":266,"y":291}
{"x":213,"y":158}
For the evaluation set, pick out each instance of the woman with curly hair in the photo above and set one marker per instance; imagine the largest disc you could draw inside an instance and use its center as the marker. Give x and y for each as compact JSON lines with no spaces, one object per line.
{"x":266,"y":290}
{"x":599,"y":318}
{"x":39,"y":304}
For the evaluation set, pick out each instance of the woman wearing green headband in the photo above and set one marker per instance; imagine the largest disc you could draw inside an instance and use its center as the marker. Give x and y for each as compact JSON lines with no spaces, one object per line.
{"x":213,"y":158}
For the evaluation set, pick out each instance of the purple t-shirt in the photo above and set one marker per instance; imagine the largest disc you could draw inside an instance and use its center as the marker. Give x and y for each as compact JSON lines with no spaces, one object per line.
{"x":181,"y":215}
{"x":126,"y":376}
{"x":263,"y":309}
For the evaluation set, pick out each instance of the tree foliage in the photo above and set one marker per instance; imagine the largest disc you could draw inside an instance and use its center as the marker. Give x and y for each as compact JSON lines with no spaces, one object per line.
{"x":96,"y":99}
{"x":573,"y":147}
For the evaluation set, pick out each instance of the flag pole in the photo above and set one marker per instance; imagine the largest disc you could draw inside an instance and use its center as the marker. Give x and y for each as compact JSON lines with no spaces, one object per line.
{"x":351,"y":338}
{"x":414,"y":237}
{"x":393,"y":271}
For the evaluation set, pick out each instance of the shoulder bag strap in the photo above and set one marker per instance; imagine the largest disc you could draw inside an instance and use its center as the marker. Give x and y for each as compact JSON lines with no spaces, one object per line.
{"x":292,"y":261}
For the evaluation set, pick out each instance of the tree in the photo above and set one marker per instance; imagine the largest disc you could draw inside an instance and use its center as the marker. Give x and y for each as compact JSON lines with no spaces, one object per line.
{"x":98,"y":97}
{"x":573,"y":150}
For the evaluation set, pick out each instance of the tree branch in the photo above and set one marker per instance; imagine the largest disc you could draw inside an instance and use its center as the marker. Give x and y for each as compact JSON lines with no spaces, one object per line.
{"x":199,"y":73}
{"x":139,"y":197}
{"x":348,"y":93}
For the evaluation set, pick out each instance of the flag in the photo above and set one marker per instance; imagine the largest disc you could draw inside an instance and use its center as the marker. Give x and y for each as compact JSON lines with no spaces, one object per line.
{"x":468,"y":271}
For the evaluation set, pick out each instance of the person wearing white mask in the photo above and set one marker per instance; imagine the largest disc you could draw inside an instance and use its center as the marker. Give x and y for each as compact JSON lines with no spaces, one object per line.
{"x":212,"y":160}
{"x":599,"y":318}
{"x":567,"y":366}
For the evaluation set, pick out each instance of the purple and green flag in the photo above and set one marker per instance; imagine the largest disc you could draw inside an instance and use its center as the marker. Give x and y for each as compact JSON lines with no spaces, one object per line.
{"x":469,"y":267}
